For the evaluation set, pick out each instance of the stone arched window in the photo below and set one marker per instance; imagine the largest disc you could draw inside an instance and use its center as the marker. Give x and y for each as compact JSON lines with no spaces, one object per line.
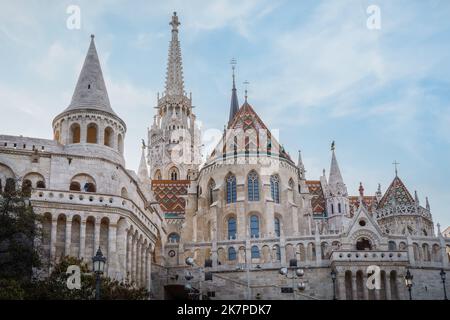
{"x":120,"y":143}
{"x":339,"y":208}
{"x":426,"y":252}
{"x":392,"y":245}
{"x":232,"y":228}
{"x":231,"y":253}
{"x":231,"y":188}
{"x":253,"y":186}
{"x":277,"y":250}
{"x":124,"y":193}
{"x":255,"y":252}
{"x":26,"y":187}
{"x":363,"y":244}
{"x":277,"y":226}
{"x":158,"y":175}
{"x":173,"y":173}
{"x":83,"y":182}
{"x":108,"y":137}
{"x":174,"y":237}
{"x":211,"y":187}
{"x":275,"y":188}
{"x":254,"y":226}
{"x":75,"y":133}
{"x":92,"y":133}
{"x":57,"y":136}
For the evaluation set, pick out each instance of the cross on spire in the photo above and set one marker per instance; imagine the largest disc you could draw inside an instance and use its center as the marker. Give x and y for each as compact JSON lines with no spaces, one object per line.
{"x":174,"y":23}
{"x":246,"y":83}
{"x":395,"y":163}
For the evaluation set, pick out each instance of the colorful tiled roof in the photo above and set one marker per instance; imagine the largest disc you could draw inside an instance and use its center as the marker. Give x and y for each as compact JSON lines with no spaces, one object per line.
{"x":396,"y":194}
{"x":169,"y":194}
{"x":369,"y":201}
{"x":318,"y":199}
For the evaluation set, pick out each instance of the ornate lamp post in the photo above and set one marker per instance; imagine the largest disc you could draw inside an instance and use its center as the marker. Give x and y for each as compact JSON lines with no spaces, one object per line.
{"x":99,"y":262}
{"x":408,"y":282}
{"x":333,"y":277}
{"x":297,"y":274}
{"x":442,"y":273}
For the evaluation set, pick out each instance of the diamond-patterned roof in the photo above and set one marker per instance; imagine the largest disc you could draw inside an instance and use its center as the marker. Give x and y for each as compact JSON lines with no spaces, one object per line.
{"x":169,"y":194}
{"x":396,"y":194}
{"x":318,"y":200}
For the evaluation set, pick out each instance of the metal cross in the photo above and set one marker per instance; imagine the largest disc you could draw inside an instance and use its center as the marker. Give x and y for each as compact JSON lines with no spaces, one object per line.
{"x":246,"y":83}
{"x":395,"y":163}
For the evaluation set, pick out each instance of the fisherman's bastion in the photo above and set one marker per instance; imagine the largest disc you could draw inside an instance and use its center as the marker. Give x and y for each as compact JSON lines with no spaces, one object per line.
{"x":246,"y":223}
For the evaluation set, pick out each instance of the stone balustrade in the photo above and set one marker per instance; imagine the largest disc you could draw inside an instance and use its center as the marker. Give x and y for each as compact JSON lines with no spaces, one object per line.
{"x":93,"y":199}
{"x":367,"y":256}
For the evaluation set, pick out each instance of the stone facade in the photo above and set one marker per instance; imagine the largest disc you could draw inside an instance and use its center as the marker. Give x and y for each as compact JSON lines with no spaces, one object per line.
{"x":246,"y":212}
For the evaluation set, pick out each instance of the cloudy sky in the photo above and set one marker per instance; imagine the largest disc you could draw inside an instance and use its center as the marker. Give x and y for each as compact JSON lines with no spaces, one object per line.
{"x":316,"y":71}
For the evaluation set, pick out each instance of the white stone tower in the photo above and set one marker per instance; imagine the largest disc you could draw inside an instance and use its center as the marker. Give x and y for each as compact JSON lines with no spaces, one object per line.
{"x":336,"y":196}
{"x":174,"y":139}
{"x":89,"y":124}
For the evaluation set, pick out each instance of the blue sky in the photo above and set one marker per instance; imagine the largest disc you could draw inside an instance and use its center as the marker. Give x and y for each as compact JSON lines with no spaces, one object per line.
{"x":316,"y":73}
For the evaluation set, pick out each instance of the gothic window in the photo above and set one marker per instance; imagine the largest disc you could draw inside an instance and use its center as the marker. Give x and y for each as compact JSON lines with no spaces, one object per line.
{"x":254,"y":226}
{"x":231,"y":189}
{"x":174,"y":237}
{"x":332,"y":209}
{"x":158,"y":175}
{"x":253,"y":186}
{"x":75,"y":133}
{"x":91,"y":133}
{"x":231,"y":254}
{"x":275,"y":188}
{"x":231,"y":228}
{"x":277,"y":227}
{"x":392,"y":245}
{"x":173,"y":173}
{"x":255,"y":252}
{"x":277,"y":252}
{"x":339,"y":207}
{"x":211,"y":187}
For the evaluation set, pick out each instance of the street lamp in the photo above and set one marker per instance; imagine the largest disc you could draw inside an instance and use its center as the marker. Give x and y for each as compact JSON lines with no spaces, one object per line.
{"x":408,"y":281}
{"x":333,"y":277}
{"x":299,"y":272}
{"x":99,"y":262}
{"x":443,"y":283}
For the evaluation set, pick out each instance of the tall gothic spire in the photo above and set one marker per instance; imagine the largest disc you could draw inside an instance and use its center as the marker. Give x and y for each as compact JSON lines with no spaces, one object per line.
{"x":90,"y":91}
{"x":234,"y":106}
{"x":174,"y":77}
{"x":335,"y":173}
{"x":142,"y":171}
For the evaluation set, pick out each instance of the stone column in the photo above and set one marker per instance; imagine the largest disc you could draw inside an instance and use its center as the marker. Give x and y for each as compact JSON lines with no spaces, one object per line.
{"x":97,"y":235}
{"x":68,"y":236}
{"x":341,"y":286}
{"x":101,"y":134}
{"x":112,"y":250}
{"x":295,"y":220}
{"x":138,"y":264}
{"x":128,"y":256}
{"x":83,"y":131}
{"x":143,"y":268}
{"x":133,"y":259}
{"x":354,"y":286}
{"x":82,"y":238}
{"x":270,"y":220}
{"x":387,"y":286}
{"x":149,"y":268}
{"x":53,"y":239}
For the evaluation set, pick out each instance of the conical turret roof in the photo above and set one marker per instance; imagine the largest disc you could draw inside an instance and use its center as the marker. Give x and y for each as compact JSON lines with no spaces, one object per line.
{"x":90,"y":92}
